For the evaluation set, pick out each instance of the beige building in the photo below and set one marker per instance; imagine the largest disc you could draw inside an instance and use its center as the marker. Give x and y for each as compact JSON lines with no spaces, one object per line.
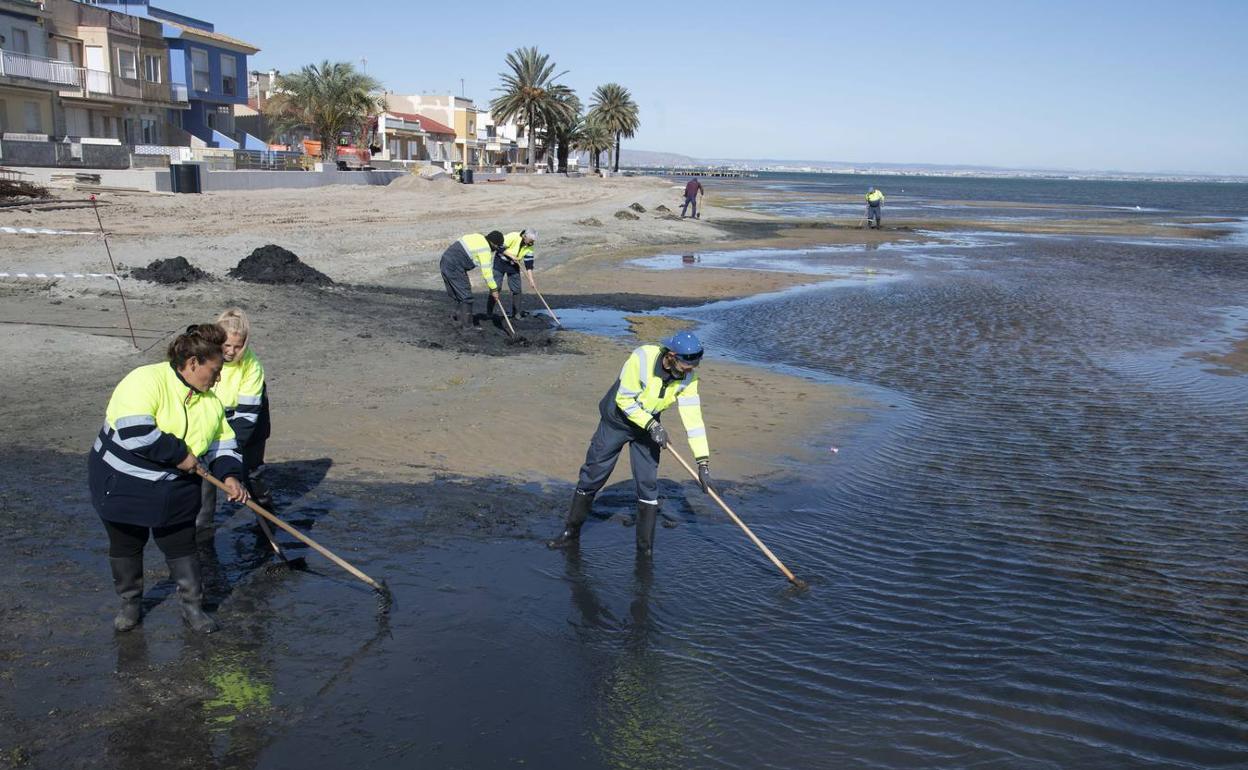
{"x":478,"y":141}
{"x":30,"y":78}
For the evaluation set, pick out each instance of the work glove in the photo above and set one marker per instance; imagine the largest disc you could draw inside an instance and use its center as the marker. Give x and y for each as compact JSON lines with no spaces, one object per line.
{"x":704,"y":474}
{"x":658,"y":434}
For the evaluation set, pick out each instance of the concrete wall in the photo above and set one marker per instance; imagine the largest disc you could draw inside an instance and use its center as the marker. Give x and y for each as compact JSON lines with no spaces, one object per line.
{"x":219,"y":181}
{"x":152,"y":180}
{"x":58,"y":154}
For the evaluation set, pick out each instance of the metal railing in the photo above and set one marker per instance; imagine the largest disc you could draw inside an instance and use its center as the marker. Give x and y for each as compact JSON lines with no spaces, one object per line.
{"x":22,"y":65}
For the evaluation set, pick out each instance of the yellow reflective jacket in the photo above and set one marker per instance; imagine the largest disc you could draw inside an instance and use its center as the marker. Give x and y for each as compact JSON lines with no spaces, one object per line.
{"x":153,"y":420}
{"x":515,"y":250}
{"x":241,"y":391}
{"x":875,"y":198}
{"x":479,"y":250}
{"x":642,"y":394}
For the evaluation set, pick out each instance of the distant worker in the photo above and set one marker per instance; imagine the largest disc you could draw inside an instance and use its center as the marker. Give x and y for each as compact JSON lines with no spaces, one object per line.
{"x":653,"y":378}
{"x":516,"y":255}
{"x":874,"y":199}
{"x":162,"y":421}
{"x":462,"y":257}
{"x":244,"y":394}
{"x":693,"y":188}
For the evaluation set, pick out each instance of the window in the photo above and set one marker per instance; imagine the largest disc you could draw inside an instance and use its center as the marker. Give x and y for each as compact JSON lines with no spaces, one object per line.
{"x":21,"y":41}
{"x":77,"y":121}
{"x":4,"y":116}
{"x":229,"y":75}
{"x":33,"y":117}
{"x":127,"y":64}
{"x":64,"y":51}
{"x":199,"y":69}
{"x":149,"y":132}
{"x":151,"y":68}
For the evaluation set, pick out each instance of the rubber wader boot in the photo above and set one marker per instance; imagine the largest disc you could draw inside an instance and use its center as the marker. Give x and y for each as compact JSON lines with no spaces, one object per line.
{"x":647,"y":515}
{"x":517,"y":305}
{"x":128,"y":581}
{"x":578,"y":512}
{"x":465,"y":316}
{"x":185,"y":572}
{"x":489,"y":308}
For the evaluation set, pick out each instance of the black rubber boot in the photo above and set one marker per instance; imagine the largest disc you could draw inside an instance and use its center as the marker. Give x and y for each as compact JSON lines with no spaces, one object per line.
{"x":578,"y":512}
{"x":186,"y":573}
{"x":647,"y":515}
{"x":128,"y":582}
{"x":517,"y":305}
{"x":465,"y":317}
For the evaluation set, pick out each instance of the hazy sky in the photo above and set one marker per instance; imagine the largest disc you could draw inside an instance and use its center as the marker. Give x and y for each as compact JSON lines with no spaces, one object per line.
{"x":1135,"y":86}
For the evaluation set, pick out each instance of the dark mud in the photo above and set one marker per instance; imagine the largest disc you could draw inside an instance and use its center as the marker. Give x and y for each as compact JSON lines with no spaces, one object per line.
{"x":274,"y":265}
{"x":174,"y":270}
{"x":640,"y":209}
{"x":626,"y":214}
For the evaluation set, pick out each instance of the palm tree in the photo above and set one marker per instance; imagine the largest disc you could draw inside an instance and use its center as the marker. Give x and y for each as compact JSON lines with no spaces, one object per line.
{"x":595,"y":139}
{"x":614,"y":108}
{"x":564,"y":125}
{"x":327,"y":99}
{"x":531,"y":95}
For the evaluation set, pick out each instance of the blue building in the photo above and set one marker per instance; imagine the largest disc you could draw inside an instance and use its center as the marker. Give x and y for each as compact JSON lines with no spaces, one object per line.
{"x":210,"y":68}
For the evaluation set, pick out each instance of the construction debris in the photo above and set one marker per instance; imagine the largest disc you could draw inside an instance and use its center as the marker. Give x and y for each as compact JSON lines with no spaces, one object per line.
{"x":10,"y":188}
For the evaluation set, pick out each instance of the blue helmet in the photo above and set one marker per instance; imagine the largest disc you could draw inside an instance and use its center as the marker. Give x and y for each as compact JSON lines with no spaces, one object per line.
{"x":685,"y":345}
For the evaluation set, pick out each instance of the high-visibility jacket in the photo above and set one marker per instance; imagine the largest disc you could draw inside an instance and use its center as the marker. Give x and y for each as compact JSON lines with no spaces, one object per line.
{"x":479,"y":250}
{"x":642,"y":393}
{"x":515,"y":250}
{"x":875,"y":198}
{"x":153,"y":420}
{"x":244,"y":395}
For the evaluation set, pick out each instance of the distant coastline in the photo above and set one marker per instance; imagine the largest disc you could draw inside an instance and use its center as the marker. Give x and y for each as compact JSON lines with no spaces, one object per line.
{"x":650,"y":162}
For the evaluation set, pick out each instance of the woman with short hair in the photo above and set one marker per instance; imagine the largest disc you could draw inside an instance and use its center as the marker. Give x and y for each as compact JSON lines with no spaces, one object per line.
{"x":162,"y":421}
{"x":244,"y":394}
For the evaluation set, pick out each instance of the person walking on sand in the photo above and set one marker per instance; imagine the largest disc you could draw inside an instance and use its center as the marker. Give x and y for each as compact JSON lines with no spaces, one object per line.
{"x":244,"y":394}
{"x":653,"y":378}
{"x":516,"y":255}
{"x":162,"y":421}
{"x":462,"y":257}
{"x":874,"y":199}
{"x":693,"y":188}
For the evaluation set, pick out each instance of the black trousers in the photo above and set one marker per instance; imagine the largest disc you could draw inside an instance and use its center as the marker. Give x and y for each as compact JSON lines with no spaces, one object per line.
{"x":614,"y":431}
{"x":127,"y":540}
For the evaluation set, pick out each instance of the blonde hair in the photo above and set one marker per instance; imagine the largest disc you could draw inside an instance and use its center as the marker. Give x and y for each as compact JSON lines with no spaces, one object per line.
{"x":234,"y":321}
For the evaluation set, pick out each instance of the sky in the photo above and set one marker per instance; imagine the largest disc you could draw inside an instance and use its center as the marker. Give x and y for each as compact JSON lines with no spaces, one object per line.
{"x":1129,"y":86}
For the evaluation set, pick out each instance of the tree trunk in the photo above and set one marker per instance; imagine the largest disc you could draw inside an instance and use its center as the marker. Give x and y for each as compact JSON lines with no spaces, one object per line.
{"x":563,"y":157}
{"x":329,"y":148}
{"x":532,"y":144}
{"x":617,"y":152}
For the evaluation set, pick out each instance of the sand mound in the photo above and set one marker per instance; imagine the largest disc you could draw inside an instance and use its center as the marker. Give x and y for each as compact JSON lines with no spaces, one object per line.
{"x":590,"y":222}
{"x":439,"y":181}
{"x":273,"y":264}
{"x":172,"y":270}
{"x":640,"y":209}
{"x":625,"y":214}
{"x":662,"y":209}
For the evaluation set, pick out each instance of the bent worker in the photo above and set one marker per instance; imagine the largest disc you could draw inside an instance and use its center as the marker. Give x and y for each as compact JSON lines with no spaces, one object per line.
{"x":462,"y":257}
{"x":244,"y":394}
{"x":693,"y":188}
{"x":516,"y":255}
{"x":653,"y":378}
{"x":162,"y":421}
{"x":874,"y":199}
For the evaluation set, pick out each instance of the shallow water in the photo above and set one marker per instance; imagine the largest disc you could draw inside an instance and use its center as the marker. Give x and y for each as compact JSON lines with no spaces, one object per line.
{"x":1030,"y":555}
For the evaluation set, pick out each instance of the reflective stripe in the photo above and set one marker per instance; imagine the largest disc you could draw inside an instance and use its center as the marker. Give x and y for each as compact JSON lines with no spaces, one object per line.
{"x":248,"y":416}
{"x":649,"y":502}
{"x":645,"y":367}
{"x":630,"y":393}
{"x":136,"y":419}
{"x":151,"y":437}
{"x":98,"y":445}
{"x":222,"y":446}
{"x":696,"y":432}
{"x":249,"y":400}
{"x":633,"y":407}
{"x":689,"y":401}
{"x":134,"y":470}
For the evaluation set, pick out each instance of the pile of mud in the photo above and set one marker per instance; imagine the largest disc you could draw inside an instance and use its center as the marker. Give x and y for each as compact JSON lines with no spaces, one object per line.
{"x":625,"y":214}
{"x":273,"y":264}
{"x":640,"y":209}
{"x":662,"y":209}
{"x":590,"y":222}
{"x":170,"y":271}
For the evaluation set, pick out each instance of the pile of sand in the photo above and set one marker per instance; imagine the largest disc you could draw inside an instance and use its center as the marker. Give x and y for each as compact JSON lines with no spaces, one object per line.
{"x":441,"y":181}
{"x":169,"y":271}
{"x":590,"y":222}
{"x":273,"y":264}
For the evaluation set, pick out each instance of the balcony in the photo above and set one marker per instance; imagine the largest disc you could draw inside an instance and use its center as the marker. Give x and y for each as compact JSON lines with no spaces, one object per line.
{"x":27,"y":67}
{"x":89,"y":84}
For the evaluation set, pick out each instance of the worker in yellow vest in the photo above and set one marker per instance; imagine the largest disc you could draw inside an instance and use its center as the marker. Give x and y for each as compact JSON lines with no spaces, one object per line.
{"x":874,"y":199}
{"x":162,"y":421}
{"x":653,"y":378}
{"x":516,"y":255}
{"x":462,"y":257}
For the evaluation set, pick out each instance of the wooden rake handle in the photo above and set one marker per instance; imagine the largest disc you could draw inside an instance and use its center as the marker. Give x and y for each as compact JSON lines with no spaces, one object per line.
{"x":322,"y":550}
{"x":503,"y":311}
{"x":538,"y":292}
{"x":715,"y":496}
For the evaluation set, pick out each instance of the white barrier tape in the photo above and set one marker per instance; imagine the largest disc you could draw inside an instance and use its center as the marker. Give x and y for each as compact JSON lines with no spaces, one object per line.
{"x":58,"y":275}
{"x":44,"y":231}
